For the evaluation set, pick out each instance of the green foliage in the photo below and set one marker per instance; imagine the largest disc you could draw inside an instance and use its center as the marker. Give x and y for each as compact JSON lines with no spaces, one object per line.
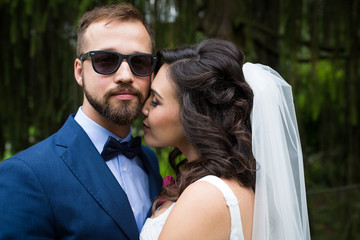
{"x":334,"y":214}
{"x":313,"y":44}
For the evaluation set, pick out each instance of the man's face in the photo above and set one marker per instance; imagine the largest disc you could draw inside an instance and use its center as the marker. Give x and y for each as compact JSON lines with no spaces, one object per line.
{"x":118,"y":97}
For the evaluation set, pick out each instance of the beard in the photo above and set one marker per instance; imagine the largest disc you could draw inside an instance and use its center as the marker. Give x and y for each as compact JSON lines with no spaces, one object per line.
{"x":120,"y":112}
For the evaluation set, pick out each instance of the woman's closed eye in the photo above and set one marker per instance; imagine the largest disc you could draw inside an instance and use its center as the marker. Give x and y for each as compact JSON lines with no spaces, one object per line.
{"x":154,"y":102}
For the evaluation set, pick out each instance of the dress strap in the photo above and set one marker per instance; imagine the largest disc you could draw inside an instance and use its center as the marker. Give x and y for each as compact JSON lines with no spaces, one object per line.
{"x":231,"y":202}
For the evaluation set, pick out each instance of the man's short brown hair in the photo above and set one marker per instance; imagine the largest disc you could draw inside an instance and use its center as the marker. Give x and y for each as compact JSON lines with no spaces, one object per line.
{"x":113,"y":12}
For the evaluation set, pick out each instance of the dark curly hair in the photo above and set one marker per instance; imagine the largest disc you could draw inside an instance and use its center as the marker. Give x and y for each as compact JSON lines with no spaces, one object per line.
{"x":215,"y":106}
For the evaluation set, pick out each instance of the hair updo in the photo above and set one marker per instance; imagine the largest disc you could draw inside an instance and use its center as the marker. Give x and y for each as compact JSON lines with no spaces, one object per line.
{"x":215,"y":106}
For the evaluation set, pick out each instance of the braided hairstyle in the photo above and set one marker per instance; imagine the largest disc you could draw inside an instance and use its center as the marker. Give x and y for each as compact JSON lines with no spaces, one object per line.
{"x":215,"y":106}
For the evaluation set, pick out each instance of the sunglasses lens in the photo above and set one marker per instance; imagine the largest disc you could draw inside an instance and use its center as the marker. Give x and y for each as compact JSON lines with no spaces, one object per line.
{"x":142,"y":64}
{"x":105,"y":62}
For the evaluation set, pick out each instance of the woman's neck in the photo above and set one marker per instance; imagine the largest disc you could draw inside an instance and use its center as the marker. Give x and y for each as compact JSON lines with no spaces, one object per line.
{"x":189,"y":152}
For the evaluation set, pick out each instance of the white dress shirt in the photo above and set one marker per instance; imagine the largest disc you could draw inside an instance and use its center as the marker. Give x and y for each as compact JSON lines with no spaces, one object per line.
{"x":131,"y":177}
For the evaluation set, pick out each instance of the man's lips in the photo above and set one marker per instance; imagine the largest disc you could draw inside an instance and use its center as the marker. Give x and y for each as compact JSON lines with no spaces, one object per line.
{"x":124,"y":95}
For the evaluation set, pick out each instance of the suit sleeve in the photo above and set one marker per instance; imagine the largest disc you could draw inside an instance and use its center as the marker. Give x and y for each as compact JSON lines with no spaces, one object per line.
{"x":25,"y":212}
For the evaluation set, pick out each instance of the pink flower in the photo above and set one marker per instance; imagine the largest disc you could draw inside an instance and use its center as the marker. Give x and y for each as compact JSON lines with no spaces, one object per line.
{"x":168,"y":180}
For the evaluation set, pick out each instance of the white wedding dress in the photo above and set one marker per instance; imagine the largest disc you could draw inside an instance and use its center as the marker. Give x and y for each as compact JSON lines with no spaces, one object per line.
{"x":280,"y":210}
{"x":153,"y":226}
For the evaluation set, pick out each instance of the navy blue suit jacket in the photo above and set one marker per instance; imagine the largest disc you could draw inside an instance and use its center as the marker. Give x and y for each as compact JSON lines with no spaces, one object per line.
{"x":61,"y":188}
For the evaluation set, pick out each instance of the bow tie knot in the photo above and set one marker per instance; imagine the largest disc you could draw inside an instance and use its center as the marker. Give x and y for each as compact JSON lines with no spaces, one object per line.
{"x":129,"y":149}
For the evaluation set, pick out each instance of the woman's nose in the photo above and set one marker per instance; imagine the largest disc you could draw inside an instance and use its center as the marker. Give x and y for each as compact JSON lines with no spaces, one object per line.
{"x":145,"y":109}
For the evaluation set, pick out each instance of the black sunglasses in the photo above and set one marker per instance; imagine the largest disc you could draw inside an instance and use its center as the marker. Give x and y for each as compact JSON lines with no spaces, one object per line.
{"x":108,"y":62}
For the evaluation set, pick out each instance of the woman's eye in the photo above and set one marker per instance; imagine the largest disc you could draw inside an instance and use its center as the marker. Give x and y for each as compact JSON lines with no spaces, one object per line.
{"x":154,"y":102}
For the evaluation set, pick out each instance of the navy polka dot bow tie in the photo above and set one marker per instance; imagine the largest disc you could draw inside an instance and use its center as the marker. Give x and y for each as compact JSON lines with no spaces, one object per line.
{"x":129,"y":149}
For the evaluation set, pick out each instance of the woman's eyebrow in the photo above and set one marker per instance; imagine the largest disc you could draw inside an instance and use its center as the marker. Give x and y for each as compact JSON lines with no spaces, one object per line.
{"x":156,"y":93}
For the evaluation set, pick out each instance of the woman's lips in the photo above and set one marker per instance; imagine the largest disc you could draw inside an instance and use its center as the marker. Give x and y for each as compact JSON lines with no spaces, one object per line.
{"x":145,"y":127}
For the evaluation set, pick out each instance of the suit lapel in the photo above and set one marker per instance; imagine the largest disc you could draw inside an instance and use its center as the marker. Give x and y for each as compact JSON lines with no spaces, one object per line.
{"x":89,"y":168}
{"x":150,"y":162}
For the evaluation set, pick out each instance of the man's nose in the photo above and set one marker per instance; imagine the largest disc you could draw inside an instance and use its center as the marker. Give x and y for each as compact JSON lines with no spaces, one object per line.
{"x":124,"y":73}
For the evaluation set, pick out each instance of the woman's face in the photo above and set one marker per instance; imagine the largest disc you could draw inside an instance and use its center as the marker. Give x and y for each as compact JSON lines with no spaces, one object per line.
{"x":162,"y":124}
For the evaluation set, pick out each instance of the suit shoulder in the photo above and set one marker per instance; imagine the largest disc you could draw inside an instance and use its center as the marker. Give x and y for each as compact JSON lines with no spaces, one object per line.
{"x":39,"y":149}
{"x":149,"y":153}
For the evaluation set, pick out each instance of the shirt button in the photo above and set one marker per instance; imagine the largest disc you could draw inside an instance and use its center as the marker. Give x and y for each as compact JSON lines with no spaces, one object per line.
{"x":124,"y":169}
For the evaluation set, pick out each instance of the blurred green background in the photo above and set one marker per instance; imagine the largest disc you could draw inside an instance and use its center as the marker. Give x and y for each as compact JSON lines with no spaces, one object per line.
{"x":313,"y":44}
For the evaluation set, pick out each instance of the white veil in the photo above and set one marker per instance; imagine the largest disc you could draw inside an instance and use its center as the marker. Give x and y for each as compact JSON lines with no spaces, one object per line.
{"x":280,"y":198}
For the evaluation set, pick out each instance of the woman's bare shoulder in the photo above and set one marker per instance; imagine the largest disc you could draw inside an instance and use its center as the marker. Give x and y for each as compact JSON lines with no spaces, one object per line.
{"x":199,"y":213}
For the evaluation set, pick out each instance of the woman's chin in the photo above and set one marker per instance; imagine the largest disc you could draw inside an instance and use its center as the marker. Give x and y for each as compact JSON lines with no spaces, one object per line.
{"x":151,"y":142}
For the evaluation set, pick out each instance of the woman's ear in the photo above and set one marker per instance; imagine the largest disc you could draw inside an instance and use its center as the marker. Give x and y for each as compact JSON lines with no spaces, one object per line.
{"x":78,"y":71}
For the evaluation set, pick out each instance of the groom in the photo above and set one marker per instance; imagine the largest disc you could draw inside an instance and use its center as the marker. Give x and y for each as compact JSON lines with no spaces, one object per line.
{"x":91,"y":179}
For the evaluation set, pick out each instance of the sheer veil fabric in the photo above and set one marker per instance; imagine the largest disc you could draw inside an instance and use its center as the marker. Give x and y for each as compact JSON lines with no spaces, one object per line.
{"x":280,"y":198}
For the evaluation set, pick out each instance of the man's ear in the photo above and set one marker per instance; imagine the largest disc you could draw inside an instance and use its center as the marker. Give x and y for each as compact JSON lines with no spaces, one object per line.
{"x":78,"y":71}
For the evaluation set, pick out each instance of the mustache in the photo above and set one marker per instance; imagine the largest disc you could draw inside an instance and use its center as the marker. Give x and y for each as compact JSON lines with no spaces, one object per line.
{"x":122,"y":88}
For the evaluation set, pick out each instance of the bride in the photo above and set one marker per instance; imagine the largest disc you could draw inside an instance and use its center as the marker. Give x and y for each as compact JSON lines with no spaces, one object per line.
{"x":242,"y":176}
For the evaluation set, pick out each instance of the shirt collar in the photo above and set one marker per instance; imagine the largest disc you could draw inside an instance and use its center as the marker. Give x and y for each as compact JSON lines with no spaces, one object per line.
{"x":97,"y":134}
